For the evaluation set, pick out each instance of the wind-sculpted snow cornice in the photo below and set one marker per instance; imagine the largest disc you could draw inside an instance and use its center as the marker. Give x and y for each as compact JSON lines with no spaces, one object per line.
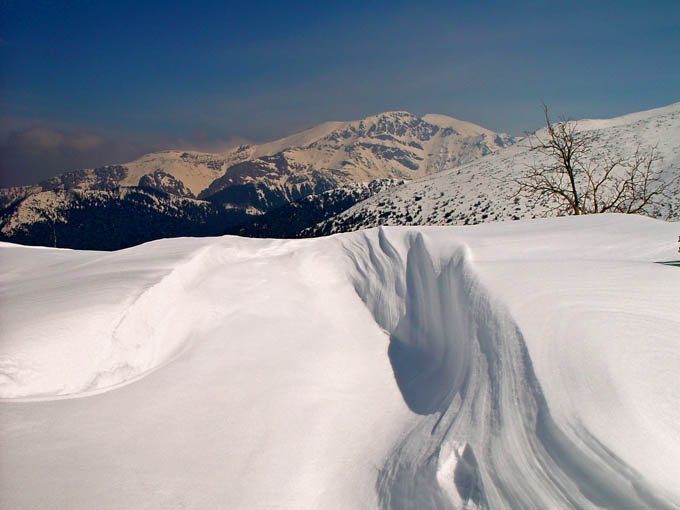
{"x":487,"y":438}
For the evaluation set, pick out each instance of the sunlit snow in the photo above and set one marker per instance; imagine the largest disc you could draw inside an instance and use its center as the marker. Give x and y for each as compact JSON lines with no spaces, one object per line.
{"x":532,"y":364}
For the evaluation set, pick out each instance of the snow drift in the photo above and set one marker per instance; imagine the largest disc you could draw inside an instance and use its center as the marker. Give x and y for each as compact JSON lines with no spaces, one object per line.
{"x":470,"y":367}
{"x":460,"y":359}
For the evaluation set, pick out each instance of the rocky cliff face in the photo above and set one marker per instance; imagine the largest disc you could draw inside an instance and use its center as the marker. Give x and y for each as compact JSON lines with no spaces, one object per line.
{"x":163,"y":181}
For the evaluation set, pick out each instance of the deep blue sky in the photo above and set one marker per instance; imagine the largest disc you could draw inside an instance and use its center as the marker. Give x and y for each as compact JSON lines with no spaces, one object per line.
{"x":84,"y":83}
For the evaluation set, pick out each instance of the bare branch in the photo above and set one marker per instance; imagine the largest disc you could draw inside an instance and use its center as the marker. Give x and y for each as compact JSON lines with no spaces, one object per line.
{"x":577,"y":181}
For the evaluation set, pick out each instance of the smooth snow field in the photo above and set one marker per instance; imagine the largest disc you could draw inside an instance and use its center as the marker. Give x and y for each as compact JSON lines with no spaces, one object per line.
{"x":531,"y":364}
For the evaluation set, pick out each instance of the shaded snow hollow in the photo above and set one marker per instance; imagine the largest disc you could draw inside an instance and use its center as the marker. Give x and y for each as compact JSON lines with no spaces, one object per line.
{"x":527,"y":365}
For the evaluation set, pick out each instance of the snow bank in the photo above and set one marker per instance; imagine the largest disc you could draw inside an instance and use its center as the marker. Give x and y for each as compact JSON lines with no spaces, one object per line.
{"x":488,"y":366}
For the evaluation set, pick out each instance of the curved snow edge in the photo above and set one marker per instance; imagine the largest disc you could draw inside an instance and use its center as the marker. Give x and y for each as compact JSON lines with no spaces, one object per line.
{"x":153,"y":329}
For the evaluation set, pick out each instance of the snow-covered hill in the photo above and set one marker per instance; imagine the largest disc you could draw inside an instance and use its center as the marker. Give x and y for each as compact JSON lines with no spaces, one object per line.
{"x":529,"y":364}
{"x":482,"y":190}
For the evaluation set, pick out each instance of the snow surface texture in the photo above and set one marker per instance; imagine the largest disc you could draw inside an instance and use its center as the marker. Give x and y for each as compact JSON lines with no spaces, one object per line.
{"x":482,"y":190}
{"x":531,"y":364}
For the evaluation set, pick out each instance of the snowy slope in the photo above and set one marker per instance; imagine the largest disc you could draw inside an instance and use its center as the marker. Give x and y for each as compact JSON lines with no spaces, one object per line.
{"x":302,"y":139}
{"x":531,"y":364}
{"x":482,"y":190}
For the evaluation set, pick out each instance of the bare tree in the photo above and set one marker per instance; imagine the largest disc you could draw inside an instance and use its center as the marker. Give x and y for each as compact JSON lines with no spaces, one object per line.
{"x":571,"y":179}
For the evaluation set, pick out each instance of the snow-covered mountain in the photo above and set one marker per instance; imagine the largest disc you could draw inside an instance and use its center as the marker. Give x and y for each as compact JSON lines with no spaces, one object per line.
{"x":388,"y":145}
{"x":254,"y":179}
{"x":529,"y":364}
{"x":482,"y":190}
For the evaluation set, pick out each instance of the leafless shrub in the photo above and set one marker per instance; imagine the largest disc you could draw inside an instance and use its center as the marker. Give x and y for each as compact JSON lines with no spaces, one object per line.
{"x":575,"y":180}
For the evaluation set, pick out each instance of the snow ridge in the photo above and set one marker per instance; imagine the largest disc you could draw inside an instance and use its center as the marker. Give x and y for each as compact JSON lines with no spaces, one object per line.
{"x":152,"y":329}
{"x":461,"y":363}
{"x":142,"y":333}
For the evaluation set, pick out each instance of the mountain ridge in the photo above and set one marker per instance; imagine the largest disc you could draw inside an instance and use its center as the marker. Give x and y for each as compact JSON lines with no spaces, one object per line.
{"x":251,"y":180}
{"x":197,"y":170}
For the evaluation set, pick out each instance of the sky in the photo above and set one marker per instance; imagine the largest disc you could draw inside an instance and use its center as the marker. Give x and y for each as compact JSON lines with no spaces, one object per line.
{"x":87,"y":83}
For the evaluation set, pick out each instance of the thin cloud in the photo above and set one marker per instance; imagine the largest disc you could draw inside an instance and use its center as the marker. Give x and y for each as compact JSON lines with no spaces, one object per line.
{"x":31,"y":155}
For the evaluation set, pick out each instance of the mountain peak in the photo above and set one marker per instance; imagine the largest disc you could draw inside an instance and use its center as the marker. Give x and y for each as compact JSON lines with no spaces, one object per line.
{"x":396,"y":113}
